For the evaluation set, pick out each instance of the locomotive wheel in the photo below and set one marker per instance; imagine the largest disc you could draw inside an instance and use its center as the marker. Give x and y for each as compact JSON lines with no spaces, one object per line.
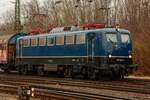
{"x":99,"y":75}
{"x":24,"y":70}
{"x":40,"y":72}
{"x":92,"y":74}
{"x":68,"y":72}
{"x":19,"y":71}
{"x":6,"y":71}
{"x":120,"y":75}
{"x":117,"y":75}
{"x":84,"y":73}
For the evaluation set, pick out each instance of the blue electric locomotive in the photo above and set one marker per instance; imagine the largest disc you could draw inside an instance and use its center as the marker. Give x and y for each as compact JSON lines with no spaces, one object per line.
{"x":90,"y":53}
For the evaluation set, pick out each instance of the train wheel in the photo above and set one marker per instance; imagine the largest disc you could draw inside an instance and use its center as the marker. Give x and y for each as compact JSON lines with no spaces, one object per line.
{"x":19,"y":71}
{"x":117,"y":75}
{"x":84,"y":73}
{"x":99,"y":75}
{"x":6,"y":71}
{"x":112,"y":76}
{"x":40,"y":72}
{"x":24,"y":70}
{"x":92,"y":74}
{"x":120,"y":75}
{"x":68,"y":72}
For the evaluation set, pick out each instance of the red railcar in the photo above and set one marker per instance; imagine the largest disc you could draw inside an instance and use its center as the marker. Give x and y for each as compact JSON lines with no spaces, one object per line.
{"x":8,"y":50}
{"x":4,"y":49}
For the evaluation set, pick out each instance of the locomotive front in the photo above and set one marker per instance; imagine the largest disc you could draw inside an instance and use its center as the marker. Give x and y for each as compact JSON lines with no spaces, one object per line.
{"x":118,"y":50}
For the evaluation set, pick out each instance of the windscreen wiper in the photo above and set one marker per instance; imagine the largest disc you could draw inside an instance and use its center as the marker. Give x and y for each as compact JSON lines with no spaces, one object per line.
{"x":113,"y":43}
{"x":126,"y":41}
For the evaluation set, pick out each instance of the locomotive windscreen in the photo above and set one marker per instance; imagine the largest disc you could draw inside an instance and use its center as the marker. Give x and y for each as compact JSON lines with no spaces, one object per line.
{"x":125,"y":38}
{"x":111,"y":37}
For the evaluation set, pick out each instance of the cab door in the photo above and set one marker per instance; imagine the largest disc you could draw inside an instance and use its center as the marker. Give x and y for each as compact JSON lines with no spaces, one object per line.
{"x":90,"y":46}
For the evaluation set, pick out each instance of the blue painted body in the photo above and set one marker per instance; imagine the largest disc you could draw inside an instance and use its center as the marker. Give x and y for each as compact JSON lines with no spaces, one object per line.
{"x":101,"y":47}
{"x":13,"y":38}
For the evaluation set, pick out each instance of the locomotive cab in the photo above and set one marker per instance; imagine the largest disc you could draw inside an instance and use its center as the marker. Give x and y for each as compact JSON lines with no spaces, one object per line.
{"x":118,"y":44}
{"x":118,"y":48}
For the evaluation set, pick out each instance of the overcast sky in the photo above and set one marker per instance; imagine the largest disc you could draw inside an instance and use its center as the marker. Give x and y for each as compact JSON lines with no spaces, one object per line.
{"x":6,"y":5}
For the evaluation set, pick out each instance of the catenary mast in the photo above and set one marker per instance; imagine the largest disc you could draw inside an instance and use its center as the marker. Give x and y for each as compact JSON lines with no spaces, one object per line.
{"x":17,"y":26}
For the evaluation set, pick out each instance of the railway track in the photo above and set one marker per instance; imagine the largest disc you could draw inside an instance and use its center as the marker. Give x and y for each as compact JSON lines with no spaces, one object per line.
{"x":136,"y":86}
{"x":44,"y":88}
{"x":48,"y":92}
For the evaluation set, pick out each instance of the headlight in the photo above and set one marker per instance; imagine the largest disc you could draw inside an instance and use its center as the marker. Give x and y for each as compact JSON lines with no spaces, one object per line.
{"x":109,"y":56}
{"x":130,"y":56}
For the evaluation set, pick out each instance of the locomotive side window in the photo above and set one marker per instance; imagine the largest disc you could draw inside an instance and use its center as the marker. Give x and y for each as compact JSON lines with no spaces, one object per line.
{"x":125,"y":38}
{"x":42,"y":41}
{"x":111,"y":37}
{"x":50,"y":41}
{"x":80,"y":38}
{"x":34,"y":42}
{"x":59,"y":40}
{"x":25,"y":42}
{"x":69,"y":39}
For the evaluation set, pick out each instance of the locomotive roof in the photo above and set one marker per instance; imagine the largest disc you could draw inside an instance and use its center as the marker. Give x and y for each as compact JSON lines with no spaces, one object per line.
{"x":11,"y":38}
{"x":76,"y":32}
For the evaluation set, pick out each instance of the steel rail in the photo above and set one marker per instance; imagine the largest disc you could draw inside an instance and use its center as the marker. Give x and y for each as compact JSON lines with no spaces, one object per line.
{"x":112,"y":85}
{"x":49,"y":92}
{"x":99,"y":85}
{"x":79,"y":95}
